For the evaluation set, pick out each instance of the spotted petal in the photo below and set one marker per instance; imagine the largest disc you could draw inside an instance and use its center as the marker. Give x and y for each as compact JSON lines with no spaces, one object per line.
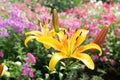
{"x":55,"y":59}
{"x":82,"y":37}
{"x":77,"y":38}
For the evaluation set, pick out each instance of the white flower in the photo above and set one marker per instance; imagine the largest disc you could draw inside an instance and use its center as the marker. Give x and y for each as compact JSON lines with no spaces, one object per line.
{"x":98,"y":4}
{"x":92,"y":1}
{"x":18,"y":63}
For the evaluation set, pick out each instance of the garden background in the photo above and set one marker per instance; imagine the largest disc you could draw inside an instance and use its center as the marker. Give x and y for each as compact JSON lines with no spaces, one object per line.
{"x":31,"y":62}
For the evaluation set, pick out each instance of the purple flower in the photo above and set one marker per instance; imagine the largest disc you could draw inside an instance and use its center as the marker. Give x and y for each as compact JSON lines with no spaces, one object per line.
{"x":30,"y":26}
{"x":113,"y":63}
{"x":95,"y":57}
{"x":1,"y":54}
{"x":26,"y":70}
{"x":106,"y":51}
{"x":3,"y":32}
{"x":104,"y":59}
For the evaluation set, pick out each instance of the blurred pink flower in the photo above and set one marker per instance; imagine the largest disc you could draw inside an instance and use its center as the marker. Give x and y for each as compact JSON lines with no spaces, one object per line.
{"x":113,"y":63}
{"x":31,"y":74}
{"x":106,"y":22}
{"x":30,"y":58}
{"x":106,"y":6}
{"x":117,"y":32}
{"x":106,"y":51}
{"x":68,"y":11}
{"x":28,"y":1}
{"x":109,"y":18}
{"x":95,"y":57}
{"x":37,"y":7}
{"x":1,"y":54}
{"x":27,"y":70}
{"x":104,"y":59}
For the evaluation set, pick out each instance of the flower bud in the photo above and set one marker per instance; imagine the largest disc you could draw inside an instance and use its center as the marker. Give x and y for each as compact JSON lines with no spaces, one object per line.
{"x":55,"y":22}
{"x":99,"y":38}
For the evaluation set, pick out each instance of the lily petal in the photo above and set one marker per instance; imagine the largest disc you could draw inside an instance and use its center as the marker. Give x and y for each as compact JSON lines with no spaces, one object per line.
{"x":36,"y":33}
{"x":55,"y":58}
{"x":1,"y":68}
{"x":28,"y":39}
{"x":85,"y":58}
{"x":52,"y":33}
{"x":50,"y":42}
{"x":77,"y":38}
{"x":87,"y":47}
{"x":46,"y":46}
{"x":81,"y":37}
{"x":63,"y":39}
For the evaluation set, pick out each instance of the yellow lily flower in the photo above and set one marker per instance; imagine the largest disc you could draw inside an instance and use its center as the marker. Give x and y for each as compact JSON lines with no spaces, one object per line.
{"x":45,"y":31}
{"x":70,"y":48}
{"x":3,"y":71}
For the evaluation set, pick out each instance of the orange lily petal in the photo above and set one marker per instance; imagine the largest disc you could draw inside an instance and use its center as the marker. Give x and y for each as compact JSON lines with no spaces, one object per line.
{"x":55,"y":58}
{"x":85,"y":58}
{"x":50,"y":42}
{"x":89,"y":46}
{"x":1,"y":68}
{"x":28,"y":39}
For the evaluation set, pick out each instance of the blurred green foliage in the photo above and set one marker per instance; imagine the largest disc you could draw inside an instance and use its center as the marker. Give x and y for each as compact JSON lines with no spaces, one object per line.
{"x":62,"y":5}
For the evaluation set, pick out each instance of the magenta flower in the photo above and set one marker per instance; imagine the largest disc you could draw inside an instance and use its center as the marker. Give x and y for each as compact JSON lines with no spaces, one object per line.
{"x":31,"y":74}
{"x":1,"y":54}
{"x":95,"y":57}
{"x":109,"y":18}
{"x":117,"y":32}
{"x":104,"y":59}
{"x":30,"y":58}
{"x":113,"y":63}
{"x":26,"y":70}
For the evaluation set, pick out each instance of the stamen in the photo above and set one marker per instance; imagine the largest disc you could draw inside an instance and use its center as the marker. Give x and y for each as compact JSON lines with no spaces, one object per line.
{"x":78,"y":36}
